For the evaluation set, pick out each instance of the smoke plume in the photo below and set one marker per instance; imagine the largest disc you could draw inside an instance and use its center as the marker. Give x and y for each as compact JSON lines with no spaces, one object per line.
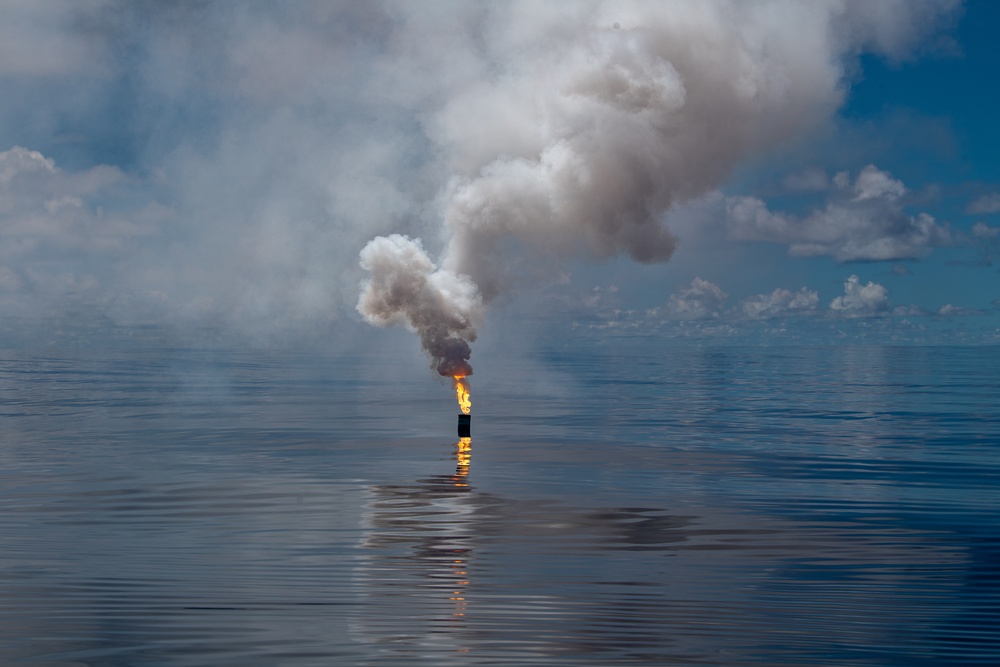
{"x":594,"y":119}
{"x":439,"y":306}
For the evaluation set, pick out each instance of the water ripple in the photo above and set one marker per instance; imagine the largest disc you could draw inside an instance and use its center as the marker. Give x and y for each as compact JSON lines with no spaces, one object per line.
{"x":724,"y":507}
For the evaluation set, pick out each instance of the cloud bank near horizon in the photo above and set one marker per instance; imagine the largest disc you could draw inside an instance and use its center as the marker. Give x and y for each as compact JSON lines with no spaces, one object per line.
{"x":703,"y":304}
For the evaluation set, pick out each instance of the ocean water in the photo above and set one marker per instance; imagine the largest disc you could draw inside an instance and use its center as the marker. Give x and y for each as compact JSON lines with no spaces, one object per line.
{"x":619,"y":503}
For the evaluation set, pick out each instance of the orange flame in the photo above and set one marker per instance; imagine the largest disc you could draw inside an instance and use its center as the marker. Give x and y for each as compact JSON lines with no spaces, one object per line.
{"x":462,"y":392}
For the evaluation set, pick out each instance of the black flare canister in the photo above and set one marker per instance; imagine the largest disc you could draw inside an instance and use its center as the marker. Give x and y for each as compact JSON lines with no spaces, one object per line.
{"x":465,"y":426}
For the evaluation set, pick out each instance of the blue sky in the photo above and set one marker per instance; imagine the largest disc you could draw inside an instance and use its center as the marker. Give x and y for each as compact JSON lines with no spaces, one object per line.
{"x":766,"y":172}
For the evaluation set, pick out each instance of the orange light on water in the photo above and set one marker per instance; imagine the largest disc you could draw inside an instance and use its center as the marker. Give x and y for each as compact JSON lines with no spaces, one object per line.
{"x":463,"y":457}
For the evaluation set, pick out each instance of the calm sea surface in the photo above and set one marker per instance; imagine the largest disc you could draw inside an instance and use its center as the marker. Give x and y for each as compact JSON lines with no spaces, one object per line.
{"x":619,"y":504}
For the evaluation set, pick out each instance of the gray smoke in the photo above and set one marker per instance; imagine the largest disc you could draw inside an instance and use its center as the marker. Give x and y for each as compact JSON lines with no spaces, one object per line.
{"x":439,"y":306}
{"x":589,"y":120}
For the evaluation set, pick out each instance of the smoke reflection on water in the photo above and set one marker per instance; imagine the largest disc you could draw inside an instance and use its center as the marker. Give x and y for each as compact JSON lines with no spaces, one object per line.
{"x":714,"y":515}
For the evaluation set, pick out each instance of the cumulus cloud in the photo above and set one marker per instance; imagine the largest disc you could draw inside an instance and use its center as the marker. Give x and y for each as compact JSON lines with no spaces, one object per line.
{"x":702,"y":307}
{"x":56,"y":238}
{"x":781,"y":303}
{"x":860,"y":300}
{"x":30,"y":180}
{"x":864,"y":220}
{"x":872,"y":183}
{"x":701,"y":300}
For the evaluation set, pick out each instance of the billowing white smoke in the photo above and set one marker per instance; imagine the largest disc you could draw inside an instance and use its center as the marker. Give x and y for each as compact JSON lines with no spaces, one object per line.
{"x":594,"y":118}
{"x":406,"y":288}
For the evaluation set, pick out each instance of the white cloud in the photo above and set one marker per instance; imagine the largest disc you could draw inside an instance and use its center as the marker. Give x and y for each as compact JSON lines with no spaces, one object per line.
{"x":781,"y":303}
{"x":863,"y":220}
{"x":47,"y":214}
{"x":702,"y":300}
{"x":861,"y":300}
{"x":18,"y":161}
{"x":988,"y":203}
{"x":873,"y":183}
{"x":57,"y":242}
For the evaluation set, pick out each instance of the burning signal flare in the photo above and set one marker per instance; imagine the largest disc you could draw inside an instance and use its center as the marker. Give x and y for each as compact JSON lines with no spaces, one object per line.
{"x":461,"y":384}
